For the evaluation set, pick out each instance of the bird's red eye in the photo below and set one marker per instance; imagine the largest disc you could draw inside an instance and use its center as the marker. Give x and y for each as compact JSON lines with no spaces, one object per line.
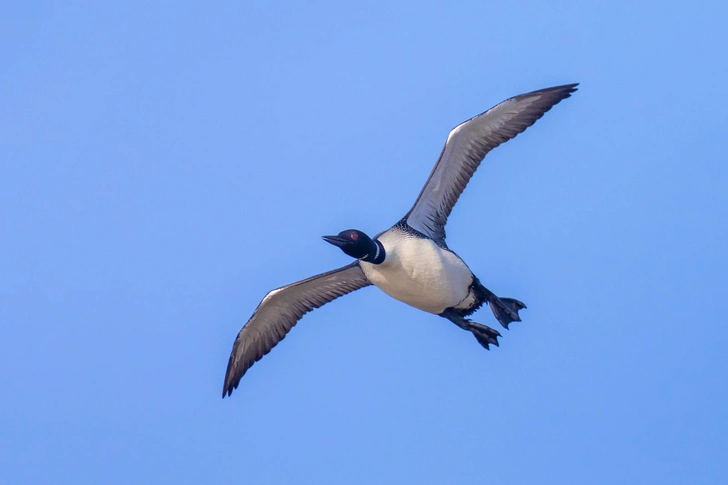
{"x":354,"y":236}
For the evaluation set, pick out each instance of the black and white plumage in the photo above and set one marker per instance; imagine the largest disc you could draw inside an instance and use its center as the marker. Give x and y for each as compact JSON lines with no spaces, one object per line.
{"x":410,"y":261}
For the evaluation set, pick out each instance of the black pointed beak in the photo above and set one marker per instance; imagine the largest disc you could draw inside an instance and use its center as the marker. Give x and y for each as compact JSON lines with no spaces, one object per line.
{"x":336,"y":240}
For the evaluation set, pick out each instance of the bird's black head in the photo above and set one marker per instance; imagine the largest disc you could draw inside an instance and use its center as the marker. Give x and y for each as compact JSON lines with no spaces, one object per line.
{"x":358,"y":245}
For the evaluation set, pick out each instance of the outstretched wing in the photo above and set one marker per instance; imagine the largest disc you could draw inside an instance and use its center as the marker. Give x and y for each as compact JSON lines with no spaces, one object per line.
{"x":280,"y":310}
{"x":467,"y":145}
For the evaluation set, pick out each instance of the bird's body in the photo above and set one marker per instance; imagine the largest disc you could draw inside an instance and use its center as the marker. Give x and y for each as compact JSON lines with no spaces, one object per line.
{"x":410,"y":261}
{"x":420,"y":273}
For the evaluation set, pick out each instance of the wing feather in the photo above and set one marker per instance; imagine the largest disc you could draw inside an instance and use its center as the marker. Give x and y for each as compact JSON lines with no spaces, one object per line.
{"x":467,"y":145}
{"x":280,"y":310}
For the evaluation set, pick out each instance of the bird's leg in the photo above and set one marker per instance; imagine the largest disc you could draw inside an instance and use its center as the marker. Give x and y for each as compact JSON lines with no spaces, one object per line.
{"x":483,"y":334}
{"x":457,"y":319}
{"x":505,"y":310}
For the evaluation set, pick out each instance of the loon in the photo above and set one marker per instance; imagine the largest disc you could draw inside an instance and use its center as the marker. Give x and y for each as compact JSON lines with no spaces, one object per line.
{"x":409,"y":261}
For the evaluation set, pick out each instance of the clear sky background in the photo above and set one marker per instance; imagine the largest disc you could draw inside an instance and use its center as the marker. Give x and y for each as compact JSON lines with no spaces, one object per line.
{"x":163,"y":166}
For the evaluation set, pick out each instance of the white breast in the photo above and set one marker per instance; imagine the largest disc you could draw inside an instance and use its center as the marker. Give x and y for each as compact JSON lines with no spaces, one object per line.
{"x":418,"y":272}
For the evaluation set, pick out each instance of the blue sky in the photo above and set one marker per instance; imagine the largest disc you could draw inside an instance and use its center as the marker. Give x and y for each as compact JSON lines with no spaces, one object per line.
{"x":162,"y":166}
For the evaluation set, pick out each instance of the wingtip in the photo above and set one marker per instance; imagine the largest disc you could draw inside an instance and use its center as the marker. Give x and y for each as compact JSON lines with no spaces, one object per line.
{"x":558,"y":93}
{"x":552,"y":95}
{"x":567,"y":89}
{"x":229,"y":384}
{"x":571,"y":88}
{"x":567,"y":86}
{"x":228,"y":388}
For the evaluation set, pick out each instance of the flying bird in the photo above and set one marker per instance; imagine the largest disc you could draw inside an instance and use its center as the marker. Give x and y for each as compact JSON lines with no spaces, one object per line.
{"x":410,"y":261}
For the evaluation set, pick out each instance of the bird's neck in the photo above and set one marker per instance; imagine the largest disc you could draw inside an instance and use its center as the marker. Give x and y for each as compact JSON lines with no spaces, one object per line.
{"x":376,"y":255}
